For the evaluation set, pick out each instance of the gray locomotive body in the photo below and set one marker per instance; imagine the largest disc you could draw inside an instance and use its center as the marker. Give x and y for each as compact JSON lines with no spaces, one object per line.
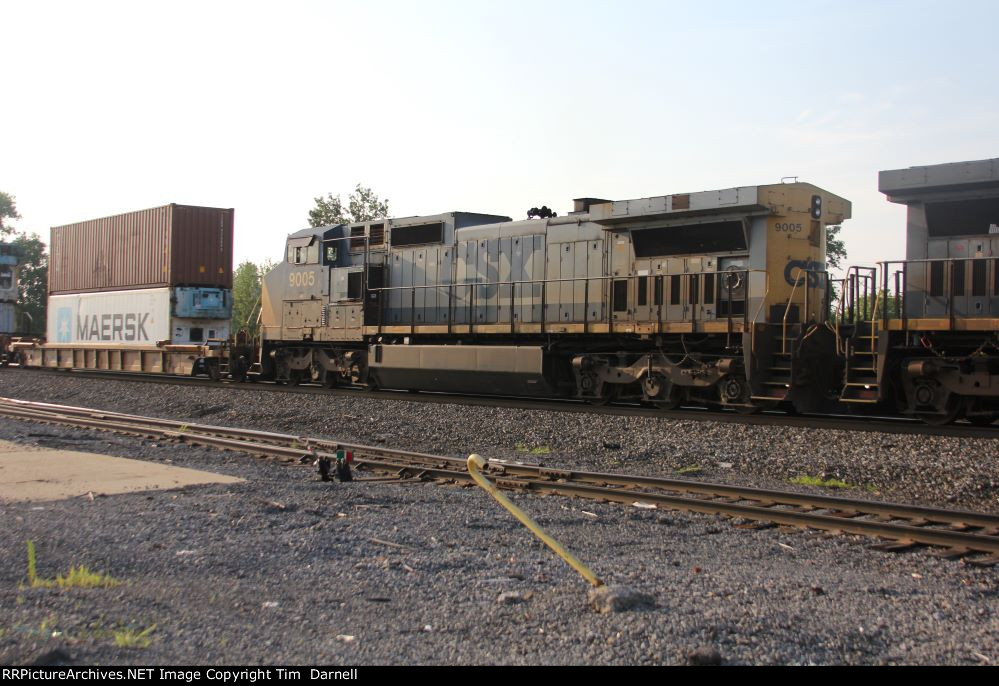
{"x":663,"y":299}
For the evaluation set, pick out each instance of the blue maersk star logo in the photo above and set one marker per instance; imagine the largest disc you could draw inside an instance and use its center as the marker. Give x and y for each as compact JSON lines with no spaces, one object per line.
{"x":64,"y":325}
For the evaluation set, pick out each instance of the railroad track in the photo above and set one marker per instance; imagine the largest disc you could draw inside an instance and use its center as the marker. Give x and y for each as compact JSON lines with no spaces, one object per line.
{"x":973,"y":536}
{"x":895,"y":425}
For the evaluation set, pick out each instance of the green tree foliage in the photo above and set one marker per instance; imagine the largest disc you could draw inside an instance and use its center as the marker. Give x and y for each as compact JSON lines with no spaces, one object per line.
{"x":835,"y":247}
{"x":362,"y":205}
{"x":835,"y":259}
{"x":32,"y":283}
{"x":8,"y":211}
{"x":32,"y":270}
{"x":246,"y":288}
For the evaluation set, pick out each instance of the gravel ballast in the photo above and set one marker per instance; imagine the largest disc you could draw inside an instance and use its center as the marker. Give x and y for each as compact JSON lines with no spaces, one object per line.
{"x":937,"y":470}
{"x":286,"y":569}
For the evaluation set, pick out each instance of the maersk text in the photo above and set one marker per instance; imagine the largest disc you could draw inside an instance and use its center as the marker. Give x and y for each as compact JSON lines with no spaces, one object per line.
{"x":112,"y":327}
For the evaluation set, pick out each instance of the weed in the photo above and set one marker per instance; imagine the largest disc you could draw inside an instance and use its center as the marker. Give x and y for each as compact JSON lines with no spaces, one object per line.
{"x":819,"y":481}
{"x":692,"y":469}
{"x":130,"y":638}
{"x":78,"y":577}
{"x":539,"y":450}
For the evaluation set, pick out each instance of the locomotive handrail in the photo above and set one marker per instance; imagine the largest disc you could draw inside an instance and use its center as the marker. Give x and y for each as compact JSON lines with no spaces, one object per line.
{"x":787,"y":310}
{"x":544,"y":283}
{"x":802,"y":277}
{"x":949,"y":284}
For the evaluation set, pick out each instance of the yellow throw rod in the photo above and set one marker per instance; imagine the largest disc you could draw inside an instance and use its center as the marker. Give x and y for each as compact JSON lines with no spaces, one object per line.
{"x":475,"y":464}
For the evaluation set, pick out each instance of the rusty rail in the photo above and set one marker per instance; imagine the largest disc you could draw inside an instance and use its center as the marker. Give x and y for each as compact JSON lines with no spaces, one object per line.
{"x":961,"y":533}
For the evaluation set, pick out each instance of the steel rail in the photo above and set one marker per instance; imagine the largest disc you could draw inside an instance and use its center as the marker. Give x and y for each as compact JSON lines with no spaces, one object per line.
{"x":299,"y":445}
{"x":838,"y":422}
{"x":904,"y":524}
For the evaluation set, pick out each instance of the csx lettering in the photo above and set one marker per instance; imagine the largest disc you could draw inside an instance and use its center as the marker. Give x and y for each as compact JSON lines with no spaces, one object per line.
{"x":302,"y":279}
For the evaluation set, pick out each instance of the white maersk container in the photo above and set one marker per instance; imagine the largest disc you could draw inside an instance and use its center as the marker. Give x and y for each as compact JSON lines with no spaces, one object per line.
{"x":137,"y":318}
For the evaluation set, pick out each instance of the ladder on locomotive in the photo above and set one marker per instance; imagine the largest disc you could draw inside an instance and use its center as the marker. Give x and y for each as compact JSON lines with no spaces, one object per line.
{"x":859,"y":309}
{"x":787,"y":334}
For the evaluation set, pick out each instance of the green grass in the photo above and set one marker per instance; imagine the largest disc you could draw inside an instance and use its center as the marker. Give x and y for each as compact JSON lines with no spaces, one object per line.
{"x":818,"y":481}
{"x":539,"y":450}
{"x":131,"y":638}
{"x":77,"y":577}
{"x":692,"y":469}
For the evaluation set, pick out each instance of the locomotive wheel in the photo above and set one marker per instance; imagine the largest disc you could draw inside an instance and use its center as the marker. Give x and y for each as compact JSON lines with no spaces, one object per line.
{"x":660,"y":391}
{"x":734,"y":392}
{"x":670,"y":403}
{"x":317,"y":374}
{"x":213,"y":371}
{"x":950,"y":413}
{"x":611,"y":392}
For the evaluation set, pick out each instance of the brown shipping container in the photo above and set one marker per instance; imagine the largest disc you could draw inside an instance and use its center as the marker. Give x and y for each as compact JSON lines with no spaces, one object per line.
{"x":175,"y":245}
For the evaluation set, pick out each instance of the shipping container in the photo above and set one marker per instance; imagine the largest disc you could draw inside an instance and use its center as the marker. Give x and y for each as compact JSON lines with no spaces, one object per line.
{"x":8,"y":274}
{"x":174,"y":245}
{"x":7,"y":318}
{"x":140,"y":318}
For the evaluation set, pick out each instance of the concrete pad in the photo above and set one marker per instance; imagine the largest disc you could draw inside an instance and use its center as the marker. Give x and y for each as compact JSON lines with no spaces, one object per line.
{"x":32,"y":474}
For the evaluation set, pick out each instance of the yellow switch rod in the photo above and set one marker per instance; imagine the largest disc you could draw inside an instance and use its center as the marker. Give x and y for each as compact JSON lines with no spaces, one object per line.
{"x":475,"y":465}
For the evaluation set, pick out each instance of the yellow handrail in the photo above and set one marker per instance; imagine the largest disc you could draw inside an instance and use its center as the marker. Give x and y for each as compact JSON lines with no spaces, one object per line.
{"x":787,"y":310}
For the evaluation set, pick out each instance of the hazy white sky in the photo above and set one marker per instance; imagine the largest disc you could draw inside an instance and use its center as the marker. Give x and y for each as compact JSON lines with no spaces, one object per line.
{"x":483,"y":106}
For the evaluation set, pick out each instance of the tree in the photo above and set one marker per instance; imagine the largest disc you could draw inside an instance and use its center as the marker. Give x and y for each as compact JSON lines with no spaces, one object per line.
{"x":32,"y":283}
{"x":246,"y":289}
{"x":362,"y":205}
{"x":8,"y":210}
{"x":835,"y":258}
{"x":32,"y":270}
{"x":835,"y":247}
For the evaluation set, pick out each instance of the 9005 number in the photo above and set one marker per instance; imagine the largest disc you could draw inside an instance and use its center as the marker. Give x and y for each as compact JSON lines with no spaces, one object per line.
{"x":301,"y":279}
{"x":788,"y":228}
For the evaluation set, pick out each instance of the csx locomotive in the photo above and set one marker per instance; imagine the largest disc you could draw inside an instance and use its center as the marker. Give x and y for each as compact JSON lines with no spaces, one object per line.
{"x":717,"y":297}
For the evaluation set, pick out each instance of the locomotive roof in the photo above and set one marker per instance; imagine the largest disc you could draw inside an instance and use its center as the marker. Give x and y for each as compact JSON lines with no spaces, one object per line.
{"x":914,"y":183}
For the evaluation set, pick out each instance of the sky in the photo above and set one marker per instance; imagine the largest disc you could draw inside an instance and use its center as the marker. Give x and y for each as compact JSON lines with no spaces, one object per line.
{"x":483,"y":106}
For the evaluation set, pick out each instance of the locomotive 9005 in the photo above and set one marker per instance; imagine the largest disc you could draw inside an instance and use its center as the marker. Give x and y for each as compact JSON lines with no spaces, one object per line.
{"x":715,"y":297}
